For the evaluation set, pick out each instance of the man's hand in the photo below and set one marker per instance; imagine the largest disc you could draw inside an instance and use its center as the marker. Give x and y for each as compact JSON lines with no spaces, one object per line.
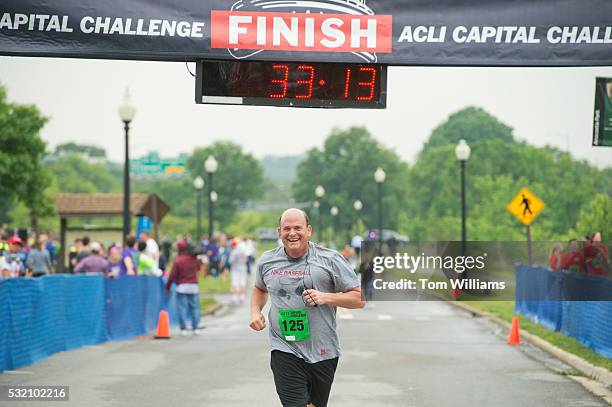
{"x":314,"y":297}
{"x":348,"y":299}
{"x":258,"y":322}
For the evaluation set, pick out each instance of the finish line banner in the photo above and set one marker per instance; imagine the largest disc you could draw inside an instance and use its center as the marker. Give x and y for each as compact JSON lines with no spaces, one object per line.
{"x":418,"y":32}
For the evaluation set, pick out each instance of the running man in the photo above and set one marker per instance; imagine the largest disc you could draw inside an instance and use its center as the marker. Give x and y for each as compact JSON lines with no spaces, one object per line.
{"x":306,"y":283}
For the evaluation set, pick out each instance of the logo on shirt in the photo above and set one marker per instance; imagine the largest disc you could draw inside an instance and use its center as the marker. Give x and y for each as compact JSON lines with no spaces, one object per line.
{"x":289,"y":273}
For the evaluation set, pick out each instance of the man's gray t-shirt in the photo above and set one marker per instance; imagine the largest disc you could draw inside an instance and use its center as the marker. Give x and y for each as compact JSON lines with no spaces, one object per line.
{"x":285,"y":279}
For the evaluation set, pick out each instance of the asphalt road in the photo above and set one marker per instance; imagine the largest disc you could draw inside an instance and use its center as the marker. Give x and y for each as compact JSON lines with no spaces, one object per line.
{"x":394,"y":354}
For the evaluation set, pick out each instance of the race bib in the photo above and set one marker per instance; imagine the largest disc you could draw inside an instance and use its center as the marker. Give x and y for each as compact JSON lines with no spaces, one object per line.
{"x":294,"y":324}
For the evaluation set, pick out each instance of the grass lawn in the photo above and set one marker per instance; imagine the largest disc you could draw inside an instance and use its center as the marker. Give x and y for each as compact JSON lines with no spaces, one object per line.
{"x":215,"y":285}
{"x":505,"y":310}
{"x":265,"y":246}
{"x":208,"y":287}
{"x":206,"y":303}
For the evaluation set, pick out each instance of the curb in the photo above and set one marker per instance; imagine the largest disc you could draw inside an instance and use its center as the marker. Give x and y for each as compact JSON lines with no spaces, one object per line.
{"x":602,"y":375}
{"x":211,"y":310}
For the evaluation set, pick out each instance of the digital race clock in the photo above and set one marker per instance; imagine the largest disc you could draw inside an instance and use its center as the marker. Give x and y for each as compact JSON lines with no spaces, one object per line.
{"x":294,"y":84}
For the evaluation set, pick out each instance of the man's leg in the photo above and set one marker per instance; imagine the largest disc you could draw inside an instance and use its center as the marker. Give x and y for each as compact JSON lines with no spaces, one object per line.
{"x":321,"y":377}
{"x":181,"y":300}
{"x":290,"y":379}
{"x":194,"y":308}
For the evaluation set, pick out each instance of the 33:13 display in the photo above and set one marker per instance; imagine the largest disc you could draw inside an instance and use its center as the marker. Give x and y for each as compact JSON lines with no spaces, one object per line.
{"x":292,"y":84}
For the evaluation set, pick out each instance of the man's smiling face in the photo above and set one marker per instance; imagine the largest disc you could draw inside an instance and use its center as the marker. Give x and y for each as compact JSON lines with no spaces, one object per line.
{"x":294,"y":231}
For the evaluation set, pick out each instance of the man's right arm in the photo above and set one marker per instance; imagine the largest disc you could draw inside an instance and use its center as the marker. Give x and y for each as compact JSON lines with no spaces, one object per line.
{"x":259,"y":298}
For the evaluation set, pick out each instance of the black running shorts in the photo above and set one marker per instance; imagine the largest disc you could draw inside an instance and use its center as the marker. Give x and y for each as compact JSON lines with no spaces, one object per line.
{"x":299,"y":383}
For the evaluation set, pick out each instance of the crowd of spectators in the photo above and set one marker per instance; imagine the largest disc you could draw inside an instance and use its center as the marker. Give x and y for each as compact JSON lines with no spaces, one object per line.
{"x":589,"y":256}
{"x":26,"y":255}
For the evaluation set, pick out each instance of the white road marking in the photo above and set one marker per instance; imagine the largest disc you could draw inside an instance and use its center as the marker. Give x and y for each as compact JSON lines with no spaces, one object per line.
{"x":384,"y":317}
{"x":344,"y":313}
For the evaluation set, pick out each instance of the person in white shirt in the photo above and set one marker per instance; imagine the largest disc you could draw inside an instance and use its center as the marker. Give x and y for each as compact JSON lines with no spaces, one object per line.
{"x":152,"y":250}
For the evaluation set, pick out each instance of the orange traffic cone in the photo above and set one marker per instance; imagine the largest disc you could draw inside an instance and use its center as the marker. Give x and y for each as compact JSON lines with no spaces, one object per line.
{"x":455,"y":293}
{"x":163,"y":326}
{"x":514,"y":338}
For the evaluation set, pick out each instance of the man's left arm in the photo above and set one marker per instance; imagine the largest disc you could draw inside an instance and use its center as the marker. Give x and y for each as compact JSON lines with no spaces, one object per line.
{"x":348,"y":299}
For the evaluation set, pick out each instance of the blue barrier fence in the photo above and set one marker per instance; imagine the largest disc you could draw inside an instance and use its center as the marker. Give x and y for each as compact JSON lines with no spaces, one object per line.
{"x":588,"y":321}
{"x":39,"y":317}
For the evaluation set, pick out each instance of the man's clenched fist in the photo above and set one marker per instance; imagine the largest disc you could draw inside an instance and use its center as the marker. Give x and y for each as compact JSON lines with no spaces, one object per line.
{"x":258,"y":322}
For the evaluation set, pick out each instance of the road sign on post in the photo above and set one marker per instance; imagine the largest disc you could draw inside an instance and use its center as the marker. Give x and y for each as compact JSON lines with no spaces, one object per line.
{"x":525,"y":207}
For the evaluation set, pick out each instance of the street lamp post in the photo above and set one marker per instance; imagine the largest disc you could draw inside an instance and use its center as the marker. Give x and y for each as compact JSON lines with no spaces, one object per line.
{"x":126,"y":112}
{"x":213,"y":198}
{"x":316,"y":211}
{"x":211,"y":165}
{"x":319,"y":193}
{"x":198,"y":184}
{"x":379,"y":177}
{"x":358,"y":206}
{"x":462,"y":151}
{"x":334,"y":212}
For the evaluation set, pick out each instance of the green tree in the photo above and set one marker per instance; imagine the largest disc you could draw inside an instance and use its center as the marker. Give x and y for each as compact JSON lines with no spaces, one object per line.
{"x":345,"y":168}
{"x":596,"y":217}
{"x":472,"y":124}
{"x":73,"y":148}
{"x":498,"y":167}
{"x":238,"y":179}
{"x":75,"y":175}
{"x":24,"y":179}
{"x":176,"y":192}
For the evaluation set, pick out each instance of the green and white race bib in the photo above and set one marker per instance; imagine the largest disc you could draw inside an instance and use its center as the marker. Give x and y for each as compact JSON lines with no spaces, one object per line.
{"x":294,"y":324}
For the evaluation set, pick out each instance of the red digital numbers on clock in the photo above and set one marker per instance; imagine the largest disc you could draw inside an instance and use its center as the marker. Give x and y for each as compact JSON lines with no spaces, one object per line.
{"x":369,"y":84}
{"x":282,"y":82}
{"x":306,"y":82}
{"x":356,"y":83}
{"x":347,"y":83}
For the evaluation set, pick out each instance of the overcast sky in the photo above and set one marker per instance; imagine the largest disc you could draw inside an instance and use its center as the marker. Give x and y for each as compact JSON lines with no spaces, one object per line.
{"x":543,"y":105}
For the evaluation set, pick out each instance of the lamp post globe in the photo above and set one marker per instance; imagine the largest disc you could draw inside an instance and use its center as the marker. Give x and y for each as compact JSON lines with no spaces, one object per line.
{"x":211,"y":164}
{"x":126,"y":109}
{"x":462,"y":151}
{"x":198,"y":183}
{"x":380,"y":175}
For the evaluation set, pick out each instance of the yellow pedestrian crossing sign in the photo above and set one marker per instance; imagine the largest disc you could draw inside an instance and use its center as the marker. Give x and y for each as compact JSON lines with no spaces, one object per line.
{"x":525,"y":206}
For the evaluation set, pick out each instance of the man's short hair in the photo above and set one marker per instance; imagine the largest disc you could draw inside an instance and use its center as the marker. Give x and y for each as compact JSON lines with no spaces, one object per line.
{"x":303,"y":213}
{"x":130,"y":241}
